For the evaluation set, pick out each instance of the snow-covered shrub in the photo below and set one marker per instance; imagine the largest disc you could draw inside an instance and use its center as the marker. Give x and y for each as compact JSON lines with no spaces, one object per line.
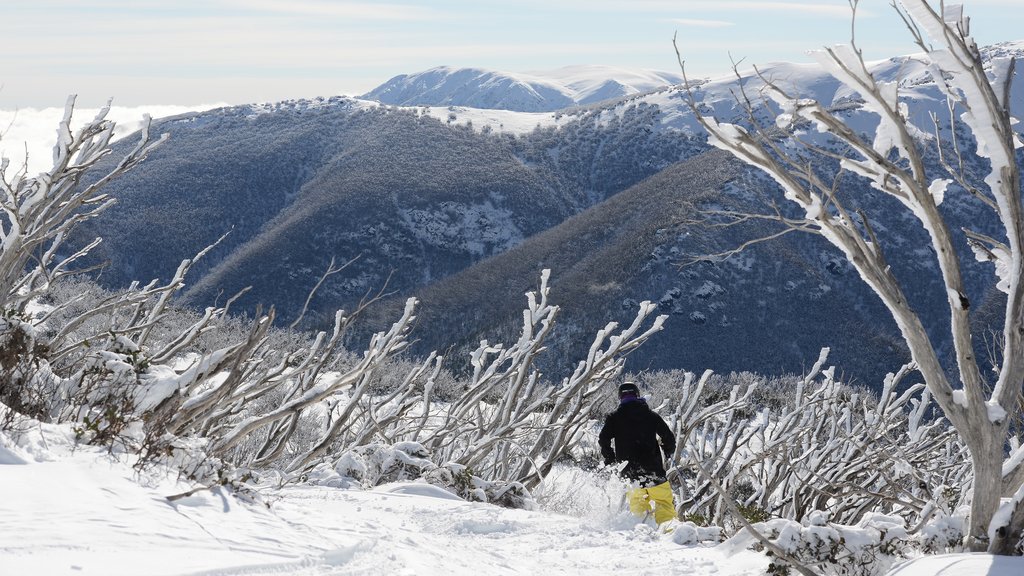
{"x":101,"y":396}
{"x":943,"y":533}
{"x":190,"y":459}
{"x":26,"y":383}
{"x":868,"y":548}
{"x":378,"y":464}
{"x":461,"y":481}
{"x":827,"y":447}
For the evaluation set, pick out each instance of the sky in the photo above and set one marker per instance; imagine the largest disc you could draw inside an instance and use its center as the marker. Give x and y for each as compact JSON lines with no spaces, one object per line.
{"x":197,"y":52}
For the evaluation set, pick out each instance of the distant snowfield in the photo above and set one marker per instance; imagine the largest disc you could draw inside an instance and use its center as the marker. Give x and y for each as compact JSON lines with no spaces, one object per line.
{"x":525,"y":92}
{"x":500,"y":121}
{"x":587,"y":80}
{"x":78,"y":511}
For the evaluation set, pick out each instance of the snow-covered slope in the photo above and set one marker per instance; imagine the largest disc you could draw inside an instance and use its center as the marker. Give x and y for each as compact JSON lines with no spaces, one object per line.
{"x":529,"y":92}
{"x":78,"y":510}
{"x":84,"y":512}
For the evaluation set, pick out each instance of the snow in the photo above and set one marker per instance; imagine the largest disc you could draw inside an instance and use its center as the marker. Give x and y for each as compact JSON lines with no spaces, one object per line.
{"x":961,"y":565}
{"x":996,"y":413}
{"x":80,"y":510}
{"x":590,"y":83}
{"x":500,"y":121}
{"x":526,"y":92}
{"x":938,"y":189}
{"x":960,"y":398}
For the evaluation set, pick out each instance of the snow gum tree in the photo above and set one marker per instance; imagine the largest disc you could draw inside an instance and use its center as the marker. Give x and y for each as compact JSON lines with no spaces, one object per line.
{"x":39,"y":212}
{"x":893,"y":160}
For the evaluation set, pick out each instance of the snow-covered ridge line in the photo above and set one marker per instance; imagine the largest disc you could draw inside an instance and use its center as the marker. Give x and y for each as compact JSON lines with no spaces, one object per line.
{"x":580,"y":86}
{"x":543,"y":91}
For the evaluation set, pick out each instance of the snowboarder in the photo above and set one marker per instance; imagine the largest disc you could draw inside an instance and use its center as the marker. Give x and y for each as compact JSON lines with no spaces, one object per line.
{"x":635,"y":430}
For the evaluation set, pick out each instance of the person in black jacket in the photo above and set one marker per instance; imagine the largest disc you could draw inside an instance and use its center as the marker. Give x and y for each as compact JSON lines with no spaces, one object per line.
{"x":635,"y":430}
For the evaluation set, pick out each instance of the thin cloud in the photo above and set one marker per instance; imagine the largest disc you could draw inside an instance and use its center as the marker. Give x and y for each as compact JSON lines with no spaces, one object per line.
{"x":347,"y":10}
{"x":838,"y":10}
{"x":701,"y":23}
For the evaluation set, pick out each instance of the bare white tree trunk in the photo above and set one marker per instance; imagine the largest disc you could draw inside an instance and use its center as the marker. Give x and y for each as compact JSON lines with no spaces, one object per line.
{"x":894,"y":164}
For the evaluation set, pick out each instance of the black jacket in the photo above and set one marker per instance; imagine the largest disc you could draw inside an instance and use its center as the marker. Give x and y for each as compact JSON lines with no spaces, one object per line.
{"x":635,"y":428}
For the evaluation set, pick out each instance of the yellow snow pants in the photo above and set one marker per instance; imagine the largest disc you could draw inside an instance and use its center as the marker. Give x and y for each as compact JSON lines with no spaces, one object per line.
{"x":642,"y":500}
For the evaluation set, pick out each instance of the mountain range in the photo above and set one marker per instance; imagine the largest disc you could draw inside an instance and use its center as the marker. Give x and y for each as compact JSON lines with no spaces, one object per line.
{"x":463,"y":206}
{"x":545,"y":91}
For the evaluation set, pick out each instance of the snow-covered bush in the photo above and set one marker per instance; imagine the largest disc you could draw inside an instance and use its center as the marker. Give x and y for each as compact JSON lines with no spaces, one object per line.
{"x":26,"y":383}
{"x":827,"y":448}
{"x":377,"y":464}
{"x":868,"y":548}
{"x":102,"y":396}
{"x":461,"y":481}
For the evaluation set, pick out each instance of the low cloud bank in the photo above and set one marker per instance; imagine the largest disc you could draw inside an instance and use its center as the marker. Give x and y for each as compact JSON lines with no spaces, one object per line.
{"x":31,"y":132}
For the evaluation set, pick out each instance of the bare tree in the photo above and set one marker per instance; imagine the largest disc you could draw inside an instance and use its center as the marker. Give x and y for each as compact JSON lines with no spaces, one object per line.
{"x":508,"y":423}
{"x":894,"y":163}
{"x":40,"y":211}
{"x":829,"y":448}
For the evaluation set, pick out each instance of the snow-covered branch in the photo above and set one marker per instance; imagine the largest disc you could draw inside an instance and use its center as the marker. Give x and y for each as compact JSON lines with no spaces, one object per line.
{"x":40,"y":211}
{"x":893,"y":162}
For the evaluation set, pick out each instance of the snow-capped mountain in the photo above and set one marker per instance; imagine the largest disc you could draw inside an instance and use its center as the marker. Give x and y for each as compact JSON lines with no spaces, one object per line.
{"x":463,"y":207}
{"x":527,"y":92}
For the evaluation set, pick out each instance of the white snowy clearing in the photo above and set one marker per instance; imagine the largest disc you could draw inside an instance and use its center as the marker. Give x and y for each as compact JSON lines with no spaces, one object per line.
{"x":79,"y":510}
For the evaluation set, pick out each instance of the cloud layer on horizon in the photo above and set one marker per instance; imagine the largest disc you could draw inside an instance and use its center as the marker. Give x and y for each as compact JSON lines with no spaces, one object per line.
{"x":33,"y":131}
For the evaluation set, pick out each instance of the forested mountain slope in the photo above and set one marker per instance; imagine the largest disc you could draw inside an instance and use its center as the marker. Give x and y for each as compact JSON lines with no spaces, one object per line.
{"x":412,"y":199}
{"x":772,"y":307}
{"x":464,"y":213}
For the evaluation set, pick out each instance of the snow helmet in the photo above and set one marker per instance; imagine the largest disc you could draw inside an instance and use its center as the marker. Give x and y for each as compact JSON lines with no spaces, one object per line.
{"x":628,"y":388}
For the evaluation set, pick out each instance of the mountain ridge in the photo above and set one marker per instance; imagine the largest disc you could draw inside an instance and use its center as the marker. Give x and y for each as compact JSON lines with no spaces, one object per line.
{"x":542,"y":91}
{"x":438,"y":201}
